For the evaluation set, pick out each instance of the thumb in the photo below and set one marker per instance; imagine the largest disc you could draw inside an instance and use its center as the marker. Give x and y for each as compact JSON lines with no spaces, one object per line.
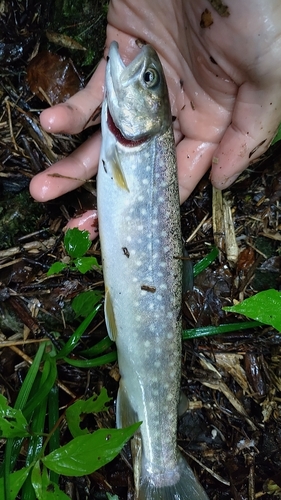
{"x":255,"y":119}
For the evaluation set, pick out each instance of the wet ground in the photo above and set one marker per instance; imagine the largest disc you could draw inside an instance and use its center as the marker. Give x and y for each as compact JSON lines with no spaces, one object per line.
{"x":231,"y":432}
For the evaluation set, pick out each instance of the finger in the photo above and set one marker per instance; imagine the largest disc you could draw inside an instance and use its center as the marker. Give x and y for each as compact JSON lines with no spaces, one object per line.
{"x":78,"y":112}
{"x":69,"y":173}
{"x":255,"y":120}
{"x":87,"y":222}
{"x":194,"y":158}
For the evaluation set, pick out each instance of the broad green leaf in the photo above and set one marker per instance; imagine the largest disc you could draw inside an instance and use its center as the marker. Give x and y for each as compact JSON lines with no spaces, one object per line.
{"x":264,"y":307}
{"x":85,"y":264}
{"x":12,"y":422}
{"x":81,"y":407}
{"x":85,"y":454}
{"x":56,"y":268}
{"x":44,"y":488}
{"x":76,"y":242}
{"x":84,"y":303}
{"x":16,"y":480}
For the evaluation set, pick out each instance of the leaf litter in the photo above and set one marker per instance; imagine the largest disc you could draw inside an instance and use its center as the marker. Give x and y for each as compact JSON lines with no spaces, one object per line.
{"x":231,"y":431}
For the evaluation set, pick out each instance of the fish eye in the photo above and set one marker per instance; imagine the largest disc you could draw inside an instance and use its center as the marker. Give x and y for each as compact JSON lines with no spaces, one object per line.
{"x":151,"y":77}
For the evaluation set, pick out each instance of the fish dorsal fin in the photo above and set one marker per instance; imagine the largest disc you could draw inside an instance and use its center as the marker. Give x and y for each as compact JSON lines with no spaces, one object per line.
{"x":118,"y":174}
{"x":110,"y":317}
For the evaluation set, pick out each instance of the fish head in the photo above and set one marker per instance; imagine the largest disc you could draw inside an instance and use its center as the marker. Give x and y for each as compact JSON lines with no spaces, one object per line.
{"x":136,"y":96}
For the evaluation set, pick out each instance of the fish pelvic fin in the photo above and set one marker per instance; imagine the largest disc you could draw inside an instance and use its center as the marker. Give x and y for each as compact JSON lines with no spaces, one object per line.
{"x":110,"y":317}
{"x":180,"y":484}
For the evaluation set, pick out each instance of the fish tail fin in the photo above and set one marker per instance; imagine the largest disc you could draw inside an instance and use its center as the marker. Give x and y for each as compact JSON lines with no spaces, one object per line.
{"x":176,"y":485}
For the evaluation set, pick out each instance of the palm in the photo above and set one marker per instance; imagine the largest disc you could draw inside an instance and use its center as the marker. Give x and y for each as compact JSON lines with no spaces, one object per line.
{"x":224,"y":84}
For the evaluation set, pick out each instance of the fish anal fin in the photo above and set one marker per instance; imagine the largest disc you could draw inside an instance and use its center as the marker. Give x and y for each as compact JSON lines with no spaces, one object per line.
{"x":110,"y":317}
{"x":183,"y":404}
{"x":125,"y":414}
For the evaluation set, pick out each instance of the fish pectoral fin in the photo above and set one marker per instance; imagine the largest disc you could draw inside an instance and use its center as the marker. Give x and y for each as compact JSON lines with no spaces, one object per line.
{"x":110,"y":317}
{"x":125,"y":414}
{"x":118,"y":174}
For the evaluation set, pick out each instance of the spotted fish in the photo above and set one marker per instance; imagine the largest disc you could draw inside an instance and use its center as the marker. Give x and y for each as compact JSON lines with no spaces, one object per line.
{"x":139,"y":225}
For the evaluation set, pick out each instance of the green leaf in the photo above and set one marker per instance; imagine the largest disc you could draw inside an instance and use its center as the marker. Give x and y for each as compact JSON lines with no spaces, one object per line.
{"x":85,"y":454}
{"x":44,"y":488}
{"x":203,"y":331}
{"x":12,"y":422}
{"x":85,"y":264}
{"x":56,"y":268}
{"x":98,"y":348}
{"x":54,"y":431}
{"x":75,"y":337}
{"x":81,"y":407}
{"x":205,"y":262}
{"x":278,"y":135}
{"x":111,"y":497}
{"x":47,"y":380}
{"x":76,"y":242}
{"x":84,"y":303}
{"x":16,"y":480}
{"x":91,"y":363}
{"x":264,"y":307}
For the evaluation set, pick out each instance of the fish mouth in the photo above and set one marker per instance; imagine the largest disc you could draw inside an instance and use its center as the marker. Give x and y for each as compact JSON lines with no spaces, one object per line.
{"x":131,"y":143}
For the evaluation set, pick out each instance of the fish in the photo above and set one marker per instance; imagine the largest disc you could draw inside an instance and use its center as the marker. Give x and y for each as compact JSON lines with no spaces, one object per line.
{"x":141,"y":248}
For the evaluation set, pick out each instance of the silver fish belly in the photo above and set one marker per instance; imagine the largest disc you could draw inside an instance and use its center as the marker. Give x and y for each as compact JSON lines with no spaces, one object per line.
{"x":139,"y":225}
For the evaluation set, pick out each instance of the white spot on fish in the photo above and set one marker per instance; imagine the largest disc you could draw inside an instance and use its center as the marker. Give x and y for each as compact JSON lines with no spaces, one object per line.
{"x":155,"y":222}
{"x":140,"y":198}
{"x":169,"y":397}
{"x":159,"y":297}
{"x":129,"y":238}
{"x":140,"y":227}
{"x":157,"y":364}
{"x":151,"y":306}
{"x":169,"y":315}
{"x":162,"y":264}
{"x":152,"y":328}
{"x":169,"y":335}
{"x":145,"y":182}
{"x":143,"y":211}
{"x":132,"y":252}
{"x":138,"y":318}
{"x":147,"y":344}
{"x":160,"y":275}
{"x":163,"y":286}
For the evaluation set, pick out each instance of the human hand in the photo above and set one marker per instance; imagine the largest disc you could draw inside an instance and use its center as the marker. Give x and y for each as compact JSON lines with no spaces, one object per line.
{"x":224,"y":86}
